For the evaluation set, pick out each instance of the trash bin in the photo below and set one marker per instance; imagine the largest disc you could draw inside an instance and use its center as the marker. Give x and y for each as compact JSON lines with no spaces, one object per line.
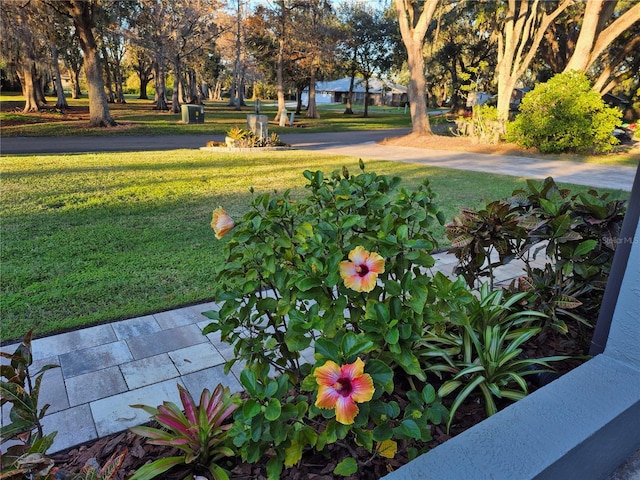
{"x":192,"y":114}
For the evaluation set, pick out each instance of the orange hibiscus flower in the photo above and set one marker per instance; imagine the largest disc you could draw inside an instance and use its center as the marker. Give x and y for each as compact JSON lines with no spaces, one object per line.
{"x":221,"y":222}
{"x":361,"y":271}
{"x":340,"y":387}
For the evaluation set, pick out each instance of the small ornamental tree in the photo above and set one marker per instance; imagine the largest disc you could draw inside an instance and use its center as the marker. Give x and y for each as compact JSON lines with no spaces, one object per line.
{"x":565,"y":115}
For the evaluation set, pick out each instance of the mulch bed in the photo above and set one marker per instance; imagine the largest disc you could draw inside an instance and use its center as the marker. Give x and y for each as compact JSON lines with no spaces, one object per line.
{"x":314,"y":465}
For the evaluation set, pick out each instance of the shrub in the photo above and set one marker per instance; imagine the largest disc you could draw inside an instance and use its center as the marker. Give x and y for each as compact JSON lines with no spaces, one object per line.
{"x":328,"y":300}
{"x":341,"y":274}
{"x":564,"y":115}
{"x":483,"y":125}
{"x":578,"y":234}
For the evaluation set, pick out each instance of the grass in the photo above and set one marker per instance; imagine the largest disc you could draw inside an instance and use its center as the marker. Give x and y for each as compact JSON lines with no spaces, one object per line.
{"x":137,"y":117}
{"x":93,"y":238}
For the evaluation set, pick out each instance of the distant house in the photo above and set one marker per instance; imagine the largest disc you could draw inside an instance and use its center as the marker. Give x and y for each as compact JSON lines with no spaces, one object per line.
{"x":478,"y":98}
{"x":381,"y":92}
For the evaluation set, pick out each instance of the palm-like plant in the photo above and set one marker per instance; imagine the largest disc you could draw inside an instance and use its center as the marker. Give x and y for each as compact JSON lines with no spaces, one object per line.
{"x":199,"y":431}
{"x":481,"y":350}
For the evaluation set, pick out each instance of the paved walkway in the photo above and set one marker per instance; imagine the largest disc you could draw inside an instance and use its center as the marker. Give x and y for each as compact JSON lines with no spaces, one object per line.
{"x":107,"y":368}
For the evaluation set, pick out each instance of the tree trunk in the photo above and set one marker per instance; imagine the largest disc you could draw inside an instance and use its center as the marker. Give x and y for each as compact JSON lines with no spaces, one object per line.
{"x":518,"y":42}
{"x":299,"y":90}
{"x":416,"y":91}
{"x":312,"y":108}
{"x":107,"y":76}
{"x":119,"y":80}
{"x":144,"y":83}
{"x":99,"y":115}
{"x":28,"y":79}
{"x":161,"y":89}
{"x":413,"y":33}
{"x":75,"y":84}
{"x":593,"y":39}
{"x":61,"y":102}
{"x":177,"y":85}
{"x":348,"y":109}
{"x":366,"y":97}
{"x":39,"y":89}
{"x":280,"y":63}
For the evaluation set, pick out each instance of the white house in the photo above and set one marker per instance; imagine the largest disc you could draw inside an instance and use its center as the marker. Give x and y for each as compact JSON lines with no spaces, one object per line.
{"x":381,"y":92}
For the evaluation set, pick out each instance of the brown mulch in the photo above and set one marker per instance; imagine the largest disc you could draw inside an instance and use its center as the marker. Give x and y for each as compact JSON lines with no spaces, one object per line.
{"x":314,"y":465}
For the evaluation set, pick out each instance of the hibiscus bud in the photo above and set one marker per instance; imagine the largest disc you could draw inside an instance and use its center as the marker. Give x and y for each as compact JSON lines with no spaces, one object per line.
{"x":221,"y":222}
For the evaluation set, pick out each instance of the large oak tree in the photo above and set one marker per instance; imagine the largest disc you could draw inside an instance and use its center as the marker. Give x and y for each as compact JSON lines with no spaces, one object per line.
{"x":83,"y":14}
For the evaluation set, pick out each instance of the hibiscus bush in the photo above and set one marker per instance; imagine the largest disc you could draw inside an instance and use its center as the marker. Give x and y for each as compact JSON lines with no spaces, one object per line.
{"x":336,"y":318}
{"x":324,"y":299}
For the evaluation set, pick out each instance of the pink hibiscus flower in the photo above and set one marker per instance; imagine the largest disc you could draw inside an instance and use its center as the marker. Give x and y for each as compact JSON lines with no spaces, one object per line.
{"x":340,"y":387}
{"x":361,"y":271}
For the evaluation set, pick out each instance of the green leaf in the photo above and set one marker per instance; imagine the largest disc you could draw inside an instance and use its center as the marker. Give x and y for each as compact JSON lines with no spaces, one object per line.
{"x":410,"y":428}
{"x":292,"y":454}
{"x":250,"y":408}
{"x":353,"y":345}
{"x":364,"y":438}
{"x":584,"y":247}
{"x":428,"y":394}
{"x":327,"y":349}
{"x":273,"y":409}
{"x":346,"y":467}
{"x":249,"y":381}
{"x":392,"y":336}
{"x":274,"y":467}
{"x":402,"y":233}
{"x":307,"y":283}
{"x":382,"y":432}
{"x":153,"y":469}
{"x":381,"y":374}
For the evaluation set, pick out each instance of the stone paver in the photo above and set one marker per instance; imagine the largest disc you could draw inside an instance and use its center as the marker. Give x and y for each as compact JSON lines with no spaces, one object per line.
{"x":114,"y":414}
{"x":149,"y":370}
{"x":165,"y":341}
{"x":209,"y":378}
{"x":198,"y":357}
{"x":94,"y":359}
{"x":72,"y":341}
{"x":95,"y":385}
{"x":136,"y":327}
{"x":74,"y":426}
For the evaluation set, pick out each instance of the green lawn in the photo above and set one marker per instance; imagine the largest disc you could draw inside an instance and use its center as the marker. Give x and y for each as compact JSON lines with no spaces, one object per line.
{"x":93,"y":238}
{"x":137,"y":117}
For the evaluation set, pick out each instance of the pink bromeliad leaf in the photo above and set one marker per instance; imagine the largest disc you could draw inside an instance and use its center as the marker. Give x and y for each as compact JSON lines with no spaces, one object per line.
{"x":188,"y":404}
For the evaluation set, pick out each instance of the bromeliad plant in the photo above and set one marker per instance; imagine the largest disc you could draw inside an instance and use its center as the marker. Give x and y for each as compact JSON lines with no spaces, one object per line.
{"x":324,"y":299}
{"x":200,"y":431}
